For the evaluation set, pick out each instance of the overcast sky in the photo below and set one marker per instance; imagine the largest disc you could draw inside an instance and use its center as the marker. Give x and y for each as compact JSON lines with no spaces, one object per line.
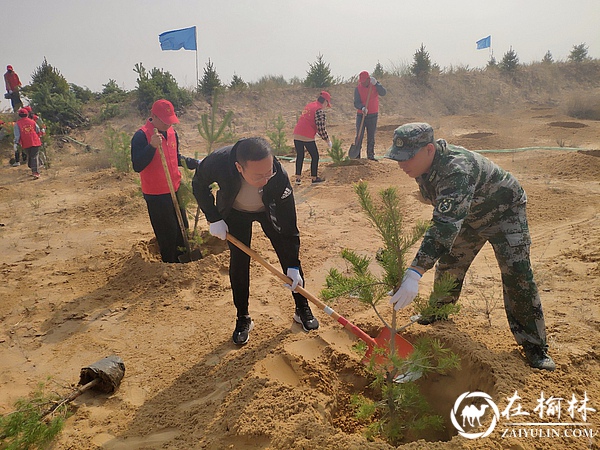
{"x":92,"y":41}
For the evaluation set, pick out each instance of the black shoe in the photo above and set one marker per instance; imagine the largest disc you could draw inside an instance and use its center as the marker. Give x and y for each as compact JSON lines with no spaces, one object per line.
{"x":371,"y":158}
{"x":305,"y":317}
{"x":318,"y":180}
{"x":241,"y":334}
{"x":537,"y":357}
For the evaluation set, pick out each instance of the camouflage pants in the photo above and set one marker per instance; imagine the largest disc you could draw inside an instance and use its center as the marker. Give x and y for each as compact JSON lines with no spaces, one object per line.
{"x":509,"y":237}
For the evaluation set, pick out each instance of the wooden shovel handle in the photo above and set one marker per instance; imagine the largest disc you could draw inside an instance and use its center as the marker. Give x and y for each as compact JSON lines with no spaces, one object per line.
{"x":342,"y":320}
{"x":173,"y":196}
{"x":362,"y":121}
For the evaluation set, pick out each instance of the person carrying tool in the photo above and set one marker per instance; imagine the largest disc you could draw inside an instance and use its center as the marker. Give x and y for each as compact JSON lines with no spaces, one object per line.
{"x":311,"y":122}
{"x":13,"y":84}
{"x":475,"y":201}
{"x":368,"y":87}
{"x":146,"y":160}
{"x":26,"y":134}
{"x":253,"y":186}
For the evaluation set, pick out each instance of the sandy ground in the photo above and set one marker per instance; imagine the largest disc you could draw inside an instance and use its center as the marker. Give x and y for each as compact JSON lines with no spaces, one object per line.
{"x":81,"y":280}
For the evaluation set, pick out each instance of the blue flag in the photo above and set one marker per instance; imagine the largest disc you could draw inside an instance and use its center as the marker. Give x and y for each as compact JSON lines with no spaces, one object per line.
{"x":176,"y":39}
{"x":486,"y":42}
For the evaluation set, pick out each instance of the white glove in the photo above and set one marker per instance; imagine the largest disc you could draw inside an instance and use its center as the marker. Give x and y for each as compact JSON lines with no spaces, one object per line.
{"x":10,"y":92}
{"x":329,"y":144}
{"x":294,"y":274}
{"x":408,"y":289}
{"x":15,"y":147}
{"x":373,"y":81}
{"x":219,"y":229}
{"x":365,"y":110}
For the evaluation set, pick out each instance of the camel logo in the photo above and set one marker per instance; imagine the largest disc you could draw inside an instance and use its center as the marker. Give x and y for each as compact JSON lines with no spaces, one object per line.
{"x":472,"y":414}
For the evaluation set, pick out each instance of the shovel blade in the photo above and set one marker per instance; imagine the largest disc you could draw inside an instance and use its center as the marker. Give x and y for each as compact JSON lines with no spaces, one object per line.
{"x":354,"y":151}
{"x":402,"y":347}
{"x":194,"y":255}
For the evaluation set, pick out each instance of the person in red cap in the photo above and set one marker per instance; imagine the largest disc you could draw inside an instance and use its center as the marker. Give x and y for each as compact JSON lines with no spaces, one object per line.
{"x":312,"y":121}
{"x":158,"y":131}
{"x":12,"y":82}
{"x":368,"y":89}
{"x":27,"y":136}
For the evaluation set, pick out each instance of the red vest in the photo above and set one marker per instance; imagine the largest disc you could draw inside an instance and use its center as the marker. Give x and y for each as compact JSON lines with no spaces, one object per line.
{"x":306,"y":125}
{"x":12,"y":80}
{"x":29,"y":137}
{"x":373,"y":105}
{"x":153,"y":177}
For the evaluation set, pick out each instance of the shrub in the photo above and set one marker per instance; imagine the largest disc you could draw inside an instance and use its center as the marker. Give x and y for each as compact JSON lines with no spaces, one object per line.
{"x":158,"y":84}
{"x":579,"y":53}
{"x":119,"y":149}
{"x":51,"y":97}
{"x":237,"y":84}
{"x":510,"y":61}
{"x":336,"y":153}
{"x":213,"y":131}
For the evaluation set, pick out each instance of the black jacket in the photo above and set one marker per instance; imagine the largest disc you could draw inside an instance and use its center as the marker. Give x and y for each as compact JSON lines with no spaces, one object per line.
{"x":278,"y":196}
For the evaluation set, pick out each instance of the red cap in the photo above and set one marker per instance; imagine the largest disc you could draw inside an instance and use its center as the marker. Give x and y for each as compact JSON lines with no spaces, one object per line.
{"x":363,"y":76}
{"x":327,"y":96}
{"x":163,"y":109}
{"x":9,"y":67}
{"x":28,"y":108}
{"x":22,"y":112}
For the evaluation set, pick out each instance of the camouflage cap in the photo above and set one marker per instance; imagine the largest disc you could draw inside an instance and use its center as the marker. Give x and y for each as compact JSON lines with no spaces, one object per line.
{"x":408,"y":139}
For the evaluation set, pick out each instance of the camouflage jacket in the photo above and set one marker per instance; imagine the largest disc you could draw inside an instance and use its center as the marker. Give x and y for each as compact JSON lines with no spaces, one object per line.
{"x":465,"y":188}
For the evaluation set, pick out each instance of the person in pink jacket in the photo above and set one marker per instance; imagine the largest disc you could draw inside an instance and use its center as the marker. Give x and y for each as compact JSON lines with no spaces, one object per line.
{"x":311,"y":122}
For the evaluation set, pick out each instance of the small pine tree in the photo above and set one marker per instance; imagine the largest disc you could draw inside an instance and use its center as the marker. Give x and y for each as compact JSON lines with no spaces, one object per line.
{"x":237,"y":83}
{"x":547,"y":59}
{"x":319,"y":74}
{"x":277,"y":137}
{"x":421,"y":66}
{"x":402,"y":409}
{"x":378,"y":71}
{"x":210,"y":81}
{"x":211,"y":130}
{"x":510,"y":61}
{"x":579,"y":53}
{"x":492,"y":64}
{"x":336,"y":153}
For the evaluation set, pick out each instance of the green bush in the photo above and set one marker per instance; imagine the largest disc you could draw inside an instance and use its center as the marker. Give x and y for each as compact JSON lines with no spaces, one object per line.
{"x":158,"y":84}
{"x":118,"y":145}
{"x":52,"y":97}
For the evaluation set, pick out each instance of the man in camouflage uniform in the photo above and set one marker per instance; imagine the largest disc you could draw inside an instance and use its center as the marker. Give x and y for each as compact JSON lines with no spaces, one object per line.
{"x":475,"y":202}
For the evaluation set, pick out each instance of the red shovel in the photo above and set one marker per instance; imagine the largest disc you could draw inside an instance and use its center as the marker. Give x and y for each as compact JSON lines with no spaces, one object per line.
{"x":382,"y":342}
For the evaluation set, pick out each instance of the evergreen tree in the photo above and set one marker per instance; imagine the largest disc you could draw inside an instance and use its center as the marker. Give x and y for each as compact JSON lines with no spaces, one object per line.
{"x":237,"y":83}
{"x":52,"y":98}
{"x":510,"y":61}
{"x":579,"y":53}
{"x":319,"y":74}
{"x":378,"y":71}
{"x":158,"y":84}
{"x":547,"y":59}
{"x":210,"y":81}
{"x":421,"y":66}
{"x":492,"y":64}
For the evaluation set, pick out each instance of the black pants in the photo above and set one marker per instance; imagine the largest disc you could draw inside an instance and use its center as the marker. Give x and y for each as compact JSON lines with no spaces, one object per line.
{"x":166,"y":227}
{"x":311,"y":148}
{"x":370,"y":126}
{"x":240,"y":227}
{"x":15,"y":101}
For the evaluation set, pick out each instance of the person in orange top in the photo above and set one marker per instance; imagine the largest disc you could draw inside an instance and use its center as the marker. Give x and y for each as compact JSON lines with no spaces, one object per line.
{"x":370,"y":110}
{"x":158,"y":131}
{"x":27,"y":136}
{"x":311,"y":122}
{"x":12,"y":82}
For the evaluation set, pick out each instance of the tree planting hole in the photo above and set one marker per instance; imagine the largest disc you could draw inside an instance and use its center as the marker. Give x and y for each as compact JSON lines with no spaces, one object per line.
{"x":479,"y":135}
{"x":568,"y":124}
{"x":440,"y":391}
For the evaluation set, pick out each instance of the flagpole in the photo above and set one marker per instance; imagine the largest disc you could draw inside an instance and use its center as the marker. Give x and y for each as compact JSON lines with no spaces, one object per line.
{"x":196,"y":37}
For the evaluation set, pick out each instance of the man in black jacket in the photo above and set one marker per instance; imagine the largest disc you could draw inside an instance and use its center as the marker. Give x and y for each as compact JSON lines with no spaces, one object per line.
{"x":253,"y":186}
